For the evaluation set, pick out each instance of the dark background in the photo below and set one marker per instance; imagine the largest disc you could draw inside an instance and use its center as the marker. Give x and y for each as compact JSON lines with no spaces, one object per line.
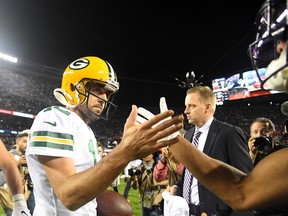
{"x":149,"y":43}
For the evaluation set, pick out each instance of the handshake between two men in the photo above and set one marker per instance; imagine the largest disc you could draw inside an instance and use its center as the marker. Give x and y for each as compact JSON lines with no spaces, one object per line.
{"x":145,"y":115}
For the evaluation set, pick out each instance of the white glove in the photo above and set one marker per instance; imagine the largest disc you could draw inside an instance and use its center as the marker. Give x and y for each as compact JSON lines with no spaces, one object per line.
{"x":20,"y":206}
{"x":21,"y":211}
{"x":143,"y":115}
{"x":163,"y":108}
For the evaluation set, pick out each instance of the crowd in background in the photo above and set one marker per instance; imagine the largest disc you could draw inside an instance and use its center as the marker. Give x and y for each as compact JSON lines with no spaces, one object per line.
{"x":27,"y":93}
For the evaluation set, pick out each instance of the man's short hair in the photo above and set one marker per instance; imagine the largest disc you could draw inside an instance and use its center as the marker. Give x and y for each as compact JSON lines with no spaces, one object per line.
{"x":23,"y":133}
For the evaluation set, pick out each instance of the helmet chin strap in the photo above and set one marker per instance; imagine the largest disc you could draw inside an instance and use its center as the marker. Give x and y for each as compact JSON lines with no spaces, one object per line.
{"x":277,"y":72}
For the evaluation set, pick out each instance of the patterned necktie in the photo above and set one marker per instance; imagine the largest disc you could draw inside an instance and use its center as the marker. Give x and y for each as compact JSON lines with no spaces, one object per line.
{"x":188,"y":176}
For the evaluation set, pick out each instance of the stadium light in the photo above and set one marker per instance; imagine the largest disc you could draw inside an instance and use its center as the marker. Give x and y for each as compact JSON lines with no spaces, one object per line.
{"x":8,"y":58}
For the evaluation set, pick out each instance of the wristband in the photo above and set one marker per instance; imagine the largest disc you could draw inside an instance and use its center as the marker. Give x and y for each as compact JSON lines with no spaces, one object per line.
{"x":19,"y":200}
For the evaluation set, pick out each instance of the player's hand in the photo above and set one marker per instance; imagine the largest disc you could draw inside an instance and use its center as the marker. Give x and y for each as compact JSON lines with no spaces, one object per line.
{"x":21,"y":211}
{"x":142,"y":136}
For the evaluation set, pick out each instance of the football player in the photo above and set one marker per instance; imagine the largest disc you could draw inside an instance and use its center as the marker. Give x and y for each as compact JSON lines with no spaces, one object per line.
{"x":62,"y":151}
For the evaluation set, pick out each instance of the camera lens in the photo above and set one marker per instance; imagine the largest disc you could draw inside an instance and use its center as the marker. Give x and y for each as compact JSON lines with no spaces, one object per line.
{"x":263,"y":143}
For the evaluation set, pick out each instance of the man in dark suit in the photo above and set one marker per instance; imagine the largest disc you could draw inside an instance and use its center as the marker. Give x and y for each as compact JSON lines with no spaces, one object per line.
{"x":219,"y":140}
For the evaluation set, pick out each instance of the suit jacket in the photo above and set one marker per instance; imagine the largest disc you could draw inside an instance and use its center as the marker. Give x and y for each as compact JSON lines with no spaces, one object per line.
{"x":224,"y":142}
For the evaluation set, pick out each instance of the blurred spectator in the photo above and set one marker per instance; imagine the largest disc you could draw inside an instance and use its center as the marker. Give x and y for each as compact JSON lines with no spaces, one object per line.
{"x":128,"y":174}
{"x":150,"y":191}
{"x":262,"y":143}
{"x":19,"y":156}
{"x":263,"y":140}
{"x":168,"y":167}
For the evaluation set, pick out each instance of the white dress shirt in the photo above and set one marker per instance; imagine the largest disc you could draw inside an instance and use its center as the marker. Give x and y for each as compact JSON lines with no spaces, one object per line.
{"x":202,"y":139}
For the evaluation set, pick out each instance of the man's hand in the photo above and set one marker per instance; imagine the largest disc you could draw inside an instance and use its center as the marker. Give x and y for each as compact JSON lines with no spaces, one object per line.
{"x":253,"y":150}
{"x":142,"y":134}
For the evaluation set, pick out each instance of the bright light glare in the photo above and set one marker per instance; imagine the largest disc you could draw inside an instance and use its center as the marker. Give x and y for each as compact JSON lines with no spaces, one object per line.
{"x":282,"y":16}
{"x":8,"y":58}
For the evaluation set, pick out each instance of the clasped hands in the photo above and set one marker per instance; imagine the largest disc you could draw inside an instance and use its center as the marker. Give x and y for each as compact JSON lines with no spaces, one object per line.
{"x":144,"y":115}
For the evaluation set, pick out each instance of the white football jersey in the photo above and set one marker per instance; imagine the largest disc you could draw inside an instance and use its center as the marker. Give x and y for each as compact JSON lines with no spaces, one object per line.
{"x":58,"y":132}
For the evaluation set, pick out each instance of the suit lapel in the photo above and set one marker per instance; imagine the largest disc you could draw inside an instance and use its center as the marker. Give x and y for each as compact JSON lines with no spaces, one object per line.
{"x":189,"y":134}
{"x":212,"y":134}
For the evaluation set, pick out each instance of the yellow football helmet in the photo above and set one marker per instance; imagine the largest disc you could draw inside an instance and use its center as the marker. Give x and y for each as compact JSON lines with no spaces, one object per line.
{"x":84,"y":70}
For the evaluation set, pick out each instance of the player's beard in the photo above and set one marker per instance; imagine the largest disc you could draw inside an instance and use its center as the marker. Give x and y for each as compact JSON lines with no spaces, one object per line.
{"x":88,"y":113}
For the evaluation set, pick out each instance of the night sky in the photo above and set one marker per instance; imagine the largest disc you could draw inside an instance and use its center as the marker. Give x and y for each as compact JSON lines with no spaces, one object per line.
{"x":149,"y":44}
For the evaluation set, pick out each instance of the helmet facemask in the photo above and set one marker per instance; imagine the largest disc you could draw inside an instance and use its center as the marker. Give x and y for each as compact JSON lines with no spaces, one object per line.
{"x":84,"y":88}
{"x":272,"y":29}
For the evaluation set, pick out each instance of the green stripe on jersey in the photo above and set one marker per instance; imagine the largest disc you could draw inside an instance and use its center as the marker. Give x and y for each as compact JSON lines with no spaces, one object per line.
{"x":52,"y":140}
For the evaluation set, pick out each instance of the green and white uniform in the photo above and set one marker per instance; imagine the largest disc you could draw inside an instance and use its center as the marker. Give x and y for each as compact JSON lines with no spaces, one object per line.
{"x":58,"y":132}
